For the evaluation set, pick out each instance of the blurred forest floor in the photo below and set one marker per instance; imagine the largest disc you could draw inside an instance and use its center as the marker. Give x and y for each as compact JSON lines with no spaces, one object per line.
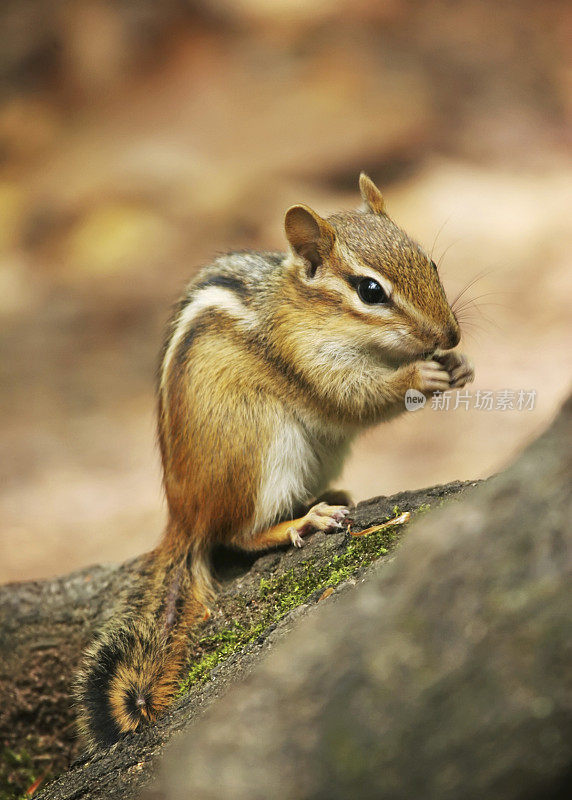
{"x":139,"y":138}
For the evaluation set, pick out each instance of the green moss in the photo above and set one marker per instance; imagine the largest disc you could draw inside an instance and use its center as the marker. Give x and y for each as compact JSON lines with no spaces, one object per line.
{"x":295,"y":586}
{"x":279,"y":595}
{"x":216,"y":648}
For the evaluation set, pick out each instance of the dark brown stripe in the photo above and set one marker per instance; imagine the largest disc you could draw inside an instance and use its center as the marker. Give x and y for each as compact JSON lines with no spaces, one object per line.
{"x":325,"y":298}
{"x":209,"y":317}
{"x":226,"y":282}
{"x":170,"y":328}
{"x":94,"y":693}
{"x":187,"y":340}
{"x":173,"y":600}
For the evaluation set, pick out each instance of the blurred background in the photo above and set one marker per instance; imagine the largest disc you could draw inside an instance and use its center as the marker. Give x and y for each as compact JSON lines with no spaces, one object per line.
{"x":139,"y":138}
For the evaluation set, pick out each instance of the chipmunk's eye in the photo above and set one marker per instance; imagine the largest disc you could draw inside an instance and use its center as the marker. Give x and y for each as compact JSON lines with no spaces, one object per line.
{"x":371,"y":292}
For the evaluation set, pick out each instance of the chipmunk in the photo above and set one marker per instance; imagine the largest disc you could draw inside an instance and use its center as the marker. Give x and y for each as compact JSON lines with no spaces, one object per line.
{"x":273,"y":363}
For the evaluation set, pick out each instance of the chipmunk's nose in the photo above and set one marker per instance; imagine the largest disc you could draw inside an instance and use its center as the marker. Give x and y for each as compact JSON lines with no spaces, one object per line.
{"x":451,"y":336}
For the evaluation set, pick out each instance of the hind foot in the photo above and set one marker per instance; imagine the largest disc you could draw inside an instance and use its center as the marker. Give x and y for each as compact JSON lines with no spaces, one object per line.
{"x":321,"y":517}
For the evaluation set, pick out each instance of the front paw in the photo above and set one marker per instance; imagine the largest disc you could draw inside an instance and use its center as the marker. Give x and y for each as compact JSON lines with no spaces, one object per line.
{"x":460,"y":369}
{"x":430,"y":376}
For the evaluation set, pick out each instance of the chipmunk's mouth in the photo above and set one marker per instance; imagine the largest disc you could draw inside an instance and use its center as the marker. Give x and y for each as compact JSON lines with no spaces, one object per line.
{"x":401,"y":359}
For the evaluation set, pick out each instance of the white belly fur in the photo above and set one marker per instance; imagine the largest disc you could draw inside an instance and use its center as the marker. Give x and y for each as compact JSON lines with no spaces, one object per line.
{"x":299,"y":465}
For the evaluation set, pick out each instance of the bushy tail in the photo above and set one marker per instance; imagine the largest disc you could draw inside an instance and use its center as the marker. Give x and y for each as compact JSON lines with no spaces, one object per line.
{"x":131,"y":671}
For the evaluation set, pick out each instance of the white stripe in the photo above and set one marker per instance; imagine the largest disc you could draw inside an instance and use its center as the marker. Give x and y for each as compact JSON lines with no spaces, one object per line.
{"x":215,"y":297}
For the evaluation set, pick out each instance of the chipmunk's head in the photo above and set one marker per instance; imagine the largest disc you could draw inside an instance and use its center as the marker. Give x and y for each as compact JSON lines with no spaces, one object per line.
{"x":370,"y":279}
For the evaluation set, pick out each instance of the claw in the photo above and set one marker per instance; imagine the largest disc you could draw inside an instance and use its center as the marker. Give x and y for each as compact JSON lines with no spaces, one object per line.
{"x":295,"y":537}
{"x":321,"y":517}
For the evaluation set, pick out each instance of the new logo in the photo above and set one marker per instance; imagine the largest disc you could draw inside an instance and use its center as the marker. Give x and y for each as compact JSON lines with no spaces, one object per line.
{"x":414,"y":400}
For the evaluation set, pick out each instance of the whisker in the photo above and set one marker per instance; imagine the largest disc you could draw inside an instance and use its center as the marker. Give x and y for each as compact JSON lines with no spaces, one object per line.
{"x":477,"y":305}
{"x":471,"y":335}
{"x":470,"y":285}
{"x":468,"y":304}
{"x":490,"y":323}
{"x":470,"y":308}
{"x":437,"y":236}
{"x":444,"y":253}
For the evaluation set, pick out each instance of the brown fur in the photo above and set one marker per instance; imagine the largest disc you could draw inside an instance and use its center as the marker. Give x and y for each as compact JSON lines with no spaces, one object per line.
{"x":271,"y":365}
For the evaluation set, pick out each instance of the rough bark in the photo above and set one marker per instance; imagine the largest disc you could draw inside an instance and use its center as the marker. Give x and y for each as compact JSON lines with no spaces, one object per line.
{"x":441,"y":672}
{"x":446,"y":675}
{"x":44,"y":627}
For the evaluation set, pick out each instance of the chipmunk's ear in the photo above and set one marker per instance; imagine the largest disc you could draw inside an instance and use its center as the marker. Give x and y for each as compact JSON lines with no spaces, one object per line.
{"x":311,"y":236}
{"x":371,"y":195}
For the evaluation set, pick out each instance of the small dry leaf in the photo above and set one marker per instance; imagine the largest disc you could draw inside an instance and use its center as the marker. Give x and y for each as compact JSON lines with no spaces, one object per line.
{"x":326,"y":593}
{"x":31,"y":790}
{"x":401,"y":520}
